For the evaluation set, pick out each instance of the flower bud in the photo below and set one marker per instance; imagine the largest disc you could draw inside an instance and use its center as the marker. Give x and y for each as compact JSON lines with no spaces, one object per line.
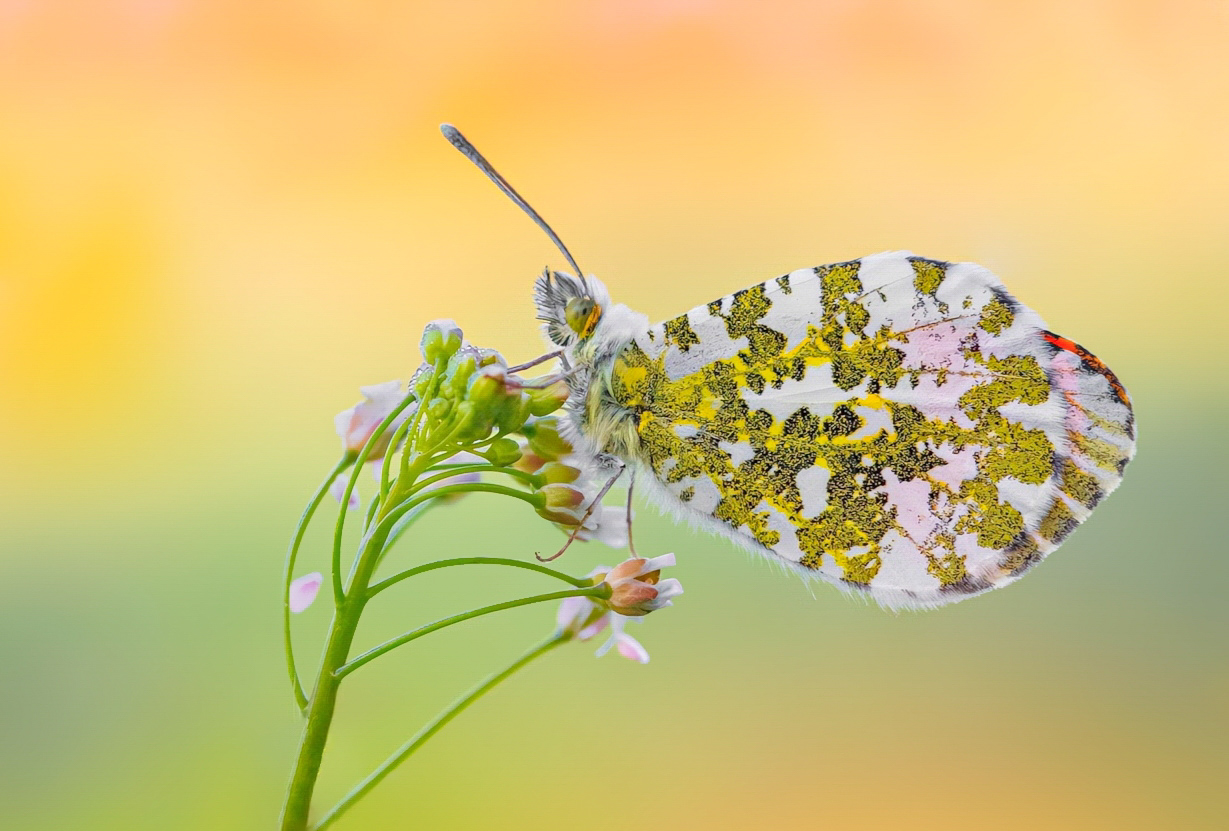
{"x":545,"y":440}
{"x":636,"y":587}
{"x":461,"y":367}
{"x":474,"y":422}
{"x":547,"y":400}
{"x":558,"y":473}
{"x":487,"y":386}
{"x":489,"y":357}
{"x":440,"y":340}
{"x":513,"y":413}
{"x":562,"y":503}
{"x":439,"y":408}
{"x":529,"y":462}
{"x":504,"y":451}
{"x":420,"y":384}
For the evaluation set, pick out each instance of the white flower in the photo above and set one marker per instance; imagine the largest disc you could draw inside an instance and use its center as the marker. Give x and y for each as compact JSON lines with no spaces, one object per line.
{"x":586,"y":619}
{"x":356,"y":424}
{"x":303,"y":591}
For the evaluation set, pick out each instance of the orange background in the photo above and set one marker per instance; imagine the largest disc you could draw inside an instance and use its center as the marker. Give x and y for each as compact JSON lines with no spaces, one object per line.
{"x":218,"y":219}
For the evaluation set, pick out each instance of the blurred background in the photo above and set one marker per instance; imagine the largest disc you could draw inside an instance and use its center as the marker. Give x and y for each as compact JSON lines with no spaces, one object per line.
{"x":219,"y":219}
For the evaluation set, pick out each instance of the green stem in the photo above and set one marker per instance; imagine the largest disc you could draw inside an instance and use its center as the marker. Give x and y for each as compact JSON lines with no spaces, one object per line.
{"x":578,"y":582}
{"x":324,"y":697}
{"x":339,"y":593}
{"x":345,"y":461}
{"x":462,"y":470}
{"x":371,"y":654}
{"x":402,"y":525}
{"x":371,"y":511}
{"x":389,"y":519}
{"x":408,"y":749}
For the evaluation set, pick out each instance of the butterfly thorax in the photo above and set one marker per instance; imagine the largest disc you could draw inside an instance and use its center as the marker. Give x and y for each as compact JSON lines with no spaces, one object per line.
{"x":604,"y":423}
{"x":593,"y":332}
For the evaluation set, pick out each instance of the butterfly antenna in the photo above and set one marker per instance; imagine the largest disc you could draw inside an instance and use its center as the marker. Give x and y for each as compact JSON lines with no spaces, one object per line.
{"x":470,"y":152}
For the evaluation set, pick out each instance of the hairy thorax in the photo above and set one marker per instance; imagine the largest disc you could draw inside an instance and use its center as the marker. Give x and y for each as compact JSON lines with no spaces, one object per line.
{"x":600,"y":424}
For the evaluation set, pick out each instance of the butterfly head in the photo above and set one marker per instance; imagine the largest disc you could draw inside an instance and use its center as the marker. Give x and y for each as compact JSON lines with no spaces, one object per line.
{"x":571,"y":307}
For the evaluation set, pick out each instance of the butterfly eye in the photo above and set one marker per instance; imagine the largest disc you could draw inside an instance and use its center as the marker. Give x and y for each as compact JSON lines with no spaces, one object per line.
{"x":582,"y":314}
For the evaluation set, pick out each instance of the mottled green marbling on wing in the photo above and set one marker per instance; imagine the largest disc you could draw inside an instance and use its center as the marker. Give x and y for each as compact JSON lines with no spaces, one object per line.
{"x":770,"y":437}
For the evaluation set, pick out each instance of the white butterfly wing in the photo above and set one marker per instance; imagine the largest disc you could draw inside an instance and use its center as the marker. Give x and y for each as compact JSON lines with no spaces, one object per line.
{"x":895,"y":425}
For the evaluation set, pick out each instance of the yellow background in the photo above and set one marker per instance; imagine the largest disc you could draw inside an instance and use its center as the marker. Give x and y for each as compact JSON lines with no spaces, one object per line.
{"x":218,"y":219}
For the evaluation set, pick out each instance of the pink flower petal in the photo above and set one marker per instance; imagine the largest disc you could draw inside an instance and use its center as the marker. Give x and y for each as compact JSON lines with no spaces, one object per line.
{"x":303,"y":591}
{"x":338,"y":491}
{"x":631,"y":649}
{"x":571,"y":611}
{"x":356,"y":424}
{"x":593,"y":629}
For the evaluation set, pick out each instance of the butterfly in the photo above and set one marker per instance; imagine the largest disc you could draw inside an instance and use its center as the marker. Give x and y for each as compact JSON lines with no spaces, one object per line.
{"x":894,"y":425}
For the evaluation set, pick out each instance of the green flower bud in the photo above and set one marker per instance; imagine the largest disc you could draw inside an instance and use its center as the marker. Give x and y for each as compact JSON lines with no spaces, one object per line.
{"x":513,"y":413}
{"x":461,"y":367}
{"x":545,"y":401}
{"x":474,"y":422}
{"x":529,"y":461}
{"x":486,"y":389}
{"x":440,"y":340}
{"x":503,"y":452}
{"x":558,"y":473}
{"x":438,"y":409}
{"x":489,"y":357}
{"x":562,"y":503}
{"x":420,"y":384}
{"x":544,"y":439}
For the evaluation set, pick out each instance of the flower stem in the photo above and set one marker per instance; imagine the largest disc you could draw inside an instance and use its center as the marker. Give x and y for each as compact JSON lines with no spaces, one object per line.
{"x":388,"y":516}
{"x":461,"y":470}
{"x":408,"y":749}
{"x":320,"y":714}
{"x":323,"y":700}
{"x":371,"y":654}
{"x":578,"y":582}
{"x":345,"y":461}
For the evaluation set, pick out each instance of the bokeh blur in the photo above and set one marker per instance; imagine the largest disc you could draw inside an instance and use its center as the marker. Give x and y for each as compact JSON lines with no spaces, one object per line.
{"x":219,"y":218}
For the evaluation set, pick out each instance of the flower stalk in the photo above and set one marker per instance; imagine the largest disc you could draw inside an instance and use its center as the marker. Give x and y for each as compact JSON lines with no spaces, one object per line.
{"x":464,"y":417}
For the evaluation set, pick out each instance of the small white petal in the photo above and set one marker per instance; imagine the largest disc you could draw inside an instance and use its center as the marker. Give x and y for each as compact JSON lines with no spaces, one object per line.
{"x":593,"y":629}
{"x":569,"y":610}
{"x":631,"y":649}
{"x":356,"y":424}
{"x":386,"y":393}
{"x":338,"y":491}
{"x":607,"y":525}
{"x":657,"y":563}
{"x":667,"y":589}
{"x":303,"y":591}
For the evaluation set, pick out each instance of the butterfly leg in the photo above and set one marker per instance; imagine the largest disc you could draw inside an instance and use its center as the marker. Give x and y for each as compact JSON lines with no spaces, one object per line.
{"x":597,"y":500}
{"x":631,"y":483}
{"x":549,"y":356}
{"x":544,"y":381}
